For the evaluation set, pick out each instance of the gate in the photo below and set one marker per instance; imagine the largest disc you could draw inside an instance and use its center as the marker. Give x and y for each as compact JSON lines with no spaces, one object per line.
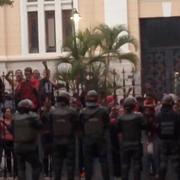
{"x":161,"y":69}
{"x":160,"y":45}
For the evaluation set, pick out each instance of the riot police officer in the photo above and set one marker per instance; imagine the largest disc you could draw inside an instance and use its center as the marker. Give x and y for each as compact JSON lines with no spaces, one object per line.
{"x":168,"y":124}
{"x":94,"y":122}
{"x":64,"y":124}
{"x":26,"y":130}
{"x":130,"y":126}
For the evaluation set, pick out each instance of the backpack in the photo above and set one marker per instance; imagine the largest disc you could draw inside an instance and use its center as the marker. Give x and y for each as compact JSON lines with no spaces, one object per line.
{"x":62,"y":124}
{"x":23,"y":130}
{"x":94,"y":126}
{"x":167,"y":127}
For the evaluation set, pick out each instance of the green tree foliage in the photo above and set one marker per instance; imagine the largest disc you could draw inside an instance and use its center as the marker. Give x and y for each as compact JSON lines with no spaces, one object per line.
{"x":91,"y":51}
{"x":112,"y":39}
{"x":81,"y":55}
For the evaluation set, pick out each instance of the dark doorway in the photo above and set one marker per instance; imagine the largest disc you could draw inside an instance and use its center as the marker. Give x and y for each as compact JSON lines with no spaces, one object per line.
{"x":160,"y":55}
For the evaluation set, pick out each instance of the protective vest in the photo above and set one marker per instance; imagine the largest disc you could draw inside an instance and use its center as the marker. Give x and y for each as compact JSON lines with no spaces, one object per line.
{"x":167,"y":126}
{"x":23,"y":129}
{"x":94,"y":123}
{"x":62,"y":121}
{"x":131,"y":126}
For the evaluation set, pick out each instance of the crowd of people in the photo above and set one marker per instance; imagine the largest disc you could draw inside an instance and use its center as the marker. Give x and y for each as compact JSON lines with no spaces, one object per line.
{"x":118,"y":134}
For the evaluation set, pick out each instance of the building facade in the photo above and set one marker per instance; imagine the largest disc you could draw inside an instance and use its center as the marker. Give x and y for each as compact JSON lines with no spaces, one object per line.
{"x":34,"y":30}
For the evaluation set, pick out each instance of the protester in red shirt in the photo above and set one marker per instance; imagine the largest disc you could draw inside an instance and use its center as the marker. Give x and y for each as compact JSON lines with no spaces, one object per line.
{"x":27,"y":90}
{"x":139,"y":105}
{"x":113,"y":108}
{"x":8,"y":140}
{"x":36,"y":78}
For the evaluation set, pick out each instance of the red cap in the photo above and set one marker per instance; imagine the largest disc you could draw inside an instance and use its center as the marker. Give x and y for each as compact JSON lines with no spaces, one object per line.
{"x":110,"y":99}
{"x":149,"y":102}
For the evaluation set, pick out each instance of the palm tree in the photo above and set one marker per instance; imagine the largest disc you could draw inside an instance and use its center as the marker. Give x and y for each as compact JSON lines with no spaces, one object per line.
{"x":112,"y":40}
{"x":6,"y":2}
{"x":101,"y":45}
{"x":81,"y":55}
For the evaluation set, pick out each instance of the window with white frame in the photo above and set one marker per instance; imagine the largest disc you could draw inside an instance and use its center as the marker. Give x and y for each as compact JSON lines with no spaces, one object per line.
{"x":66,"y":24}
{"x":45,"y":24}
{"x":33,"y":43}
{"x":50,"y":31}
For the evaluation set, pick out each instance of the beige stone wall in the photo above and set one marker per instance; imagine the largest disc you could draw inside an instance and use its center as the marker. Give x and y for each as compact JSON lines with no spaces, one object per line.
{"x":150,"y":8}
{"x":133,"y":26}
{"x":153,"y":8}
{"x":176,"y":8}
{"x":10,"y":30}
{"x":13,"y":29}
{"x":133,"y":20}
{"x":92,"y":12}
{"x":2,"y":32}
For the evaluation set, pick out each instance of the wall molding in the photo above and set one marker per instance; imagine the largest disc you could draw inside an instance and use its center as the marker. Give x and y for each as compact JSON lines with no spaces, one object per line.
{"x":31,"y":57}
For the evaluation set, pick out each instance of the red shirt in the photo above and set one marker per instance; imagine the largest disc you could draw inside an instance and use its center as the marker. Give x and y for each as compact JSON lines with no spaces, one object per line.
{"x":35,"y":83}
{"x":5,"y":132}
{"x":27,"y":90}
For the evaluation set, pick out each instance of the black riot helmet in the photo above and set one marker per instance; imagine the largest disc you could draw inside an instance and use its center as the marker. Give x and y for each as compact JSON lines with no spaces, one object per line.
{"x":63,"y":98}
{"x":130,"y":103}
{"x":25,"y":105}
{"x":92,"y":96}
{"x":167,"y":100}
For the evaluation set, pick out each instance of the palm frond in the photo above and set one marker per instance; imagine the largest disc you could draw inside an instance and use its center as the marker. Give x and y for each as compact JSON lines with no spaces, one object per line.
{"x":95,"y":59}
{"x":131,"y":57}
{"x":109,"y":35}
{"x":125,"y":39}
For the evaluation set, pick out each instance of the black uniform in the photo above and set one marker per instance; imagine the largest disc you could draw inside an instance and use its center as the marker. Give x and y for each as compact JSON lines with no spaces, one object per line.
{"x":130,"y":126}
{"x":26,"y":130}
{"x":168,"y":131}
{"x":115,"y":146}
{"x":94,"y":122}
{"x":64,"y":122}
{"x":47,"y":143}
{"x":2,"y":88}
{"x":2,"y":93}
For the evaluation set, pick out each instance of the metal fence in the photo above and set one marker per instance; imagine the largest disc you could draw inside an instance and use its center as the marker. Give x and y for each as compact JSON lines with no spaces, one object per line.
{"x":123,"y":84}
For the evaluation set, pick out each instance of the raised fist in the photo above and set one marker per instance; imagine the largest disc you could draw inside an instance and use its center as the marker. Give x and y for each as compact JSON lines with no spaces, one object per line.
{"x":44,"y":63}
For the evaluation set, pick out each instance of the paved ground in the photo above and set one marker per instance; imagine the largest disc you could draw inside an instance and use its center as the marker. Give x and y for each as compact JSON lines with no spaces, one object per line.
{"x":97,"y":175}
